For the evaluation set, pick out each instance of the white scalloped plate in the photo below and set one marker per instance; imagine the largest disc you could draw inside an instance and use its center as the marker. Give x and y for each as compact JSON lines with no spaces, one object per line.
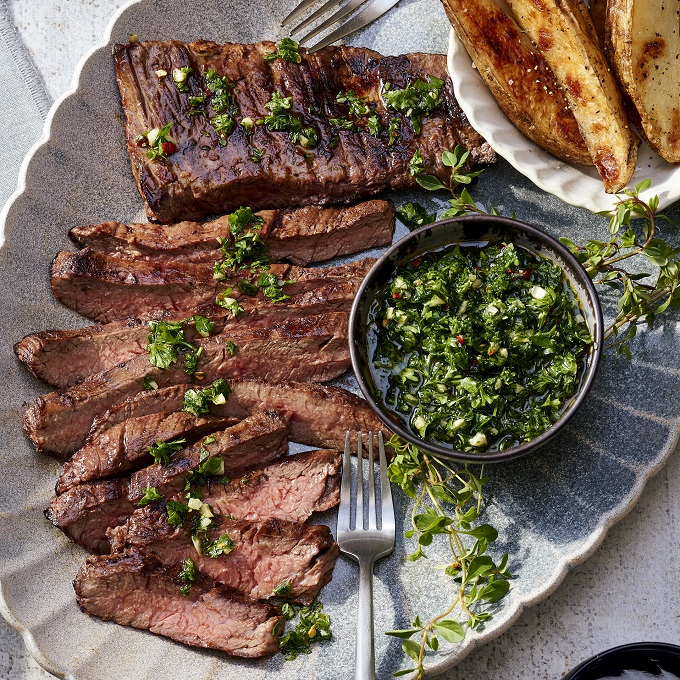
{"x":577,"y":185}
{"x":552,"y":509}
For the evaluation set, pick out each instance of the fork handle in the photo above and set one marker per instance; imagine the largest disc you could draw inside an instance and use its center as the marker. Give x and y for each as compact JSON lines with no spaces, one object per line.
{"x":364,"y":664}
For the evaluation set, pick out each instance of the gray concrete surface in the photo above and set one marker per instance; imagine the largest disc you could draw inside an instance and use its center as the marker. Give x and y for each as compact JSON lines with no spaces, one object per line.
{"x":628,"y":591}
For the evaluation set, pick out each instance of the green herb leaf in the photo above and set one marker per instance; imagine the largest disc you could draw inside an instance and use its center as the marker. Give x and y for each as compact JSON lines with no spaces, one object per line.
{"x":451,"y":630}
{"x":151,"y":494}
{"x":282,"y":589}
{"x":416,"y":100}
{"x":177,"y":513}
{"x":197,"y":402}
{"x":313,"y":626}
{"x":220,"y":546}
{"x":187,"y":576}
{"x":416,"y":165}
{"x":414,"y":216}
{"x":286,"y":49}
{"x":162,"y":451}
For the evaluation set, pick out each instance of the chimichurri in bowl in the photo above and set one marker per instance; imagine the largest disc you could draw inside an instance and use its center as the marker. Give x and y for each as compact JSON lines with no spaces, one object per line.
{"x":476,"y":338}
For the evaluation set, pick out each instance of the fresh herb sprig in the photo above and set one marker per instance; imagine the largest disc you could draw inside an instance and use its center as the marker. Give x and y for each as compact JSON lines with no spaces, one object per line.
{"x":448,"y":503}
{"x":643,"y":296}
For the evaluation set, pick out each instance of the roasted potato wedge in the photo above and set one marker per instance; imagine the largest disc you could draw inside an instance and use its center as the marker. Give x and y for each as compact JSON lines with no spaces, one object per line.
{"x":518,"y":77}
{"x":644,"y":39}
{"x":598,"y":13}
{"x":564,"y":33}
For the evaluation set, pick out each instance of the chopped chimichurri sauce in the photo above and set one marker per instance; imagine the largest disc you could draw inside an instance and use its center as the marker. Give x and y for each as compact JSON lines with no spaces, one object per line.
{"x":479,"y":348}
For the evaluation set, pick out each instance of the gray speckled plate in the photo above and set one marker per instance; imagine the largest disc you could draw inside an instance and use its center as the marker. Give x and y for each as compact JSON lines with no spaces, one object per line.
{"x":552,"y":508}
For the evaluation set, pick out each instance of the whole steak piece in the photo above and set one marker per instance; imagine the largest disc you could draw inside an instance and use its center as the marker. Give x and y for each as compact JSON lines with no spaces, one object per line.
{"x":226,"y":148}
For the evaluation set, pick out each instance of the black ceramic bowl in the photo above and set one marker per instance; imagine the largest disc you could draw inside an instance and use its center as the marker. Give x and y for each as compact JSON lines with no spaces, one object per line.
{"x":472,"y":231}
{"x":648,"y":658}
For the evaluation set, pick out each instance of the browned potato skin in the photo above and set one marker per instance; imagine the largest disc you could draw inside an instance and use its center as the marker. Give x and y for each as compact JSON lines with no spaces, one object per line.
{"x":598,"y":12}
{"x":564,"y":32}
{"x":518,"y":77}
{"x":643,"y":42}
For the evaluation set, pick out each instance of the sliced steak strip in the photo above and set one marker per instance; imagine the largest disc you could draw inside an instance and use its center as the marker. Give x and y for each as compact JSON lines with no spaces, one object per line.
{"x":105,"y":288}
{"x":204,"y":177}
{"x":64,"y":358}
{"x":300,"y":236}
{"x":260,"y":438}
{"x":86,"y":511}
{"x":319,"y":414}
{"x":138,"y":591}
{"x":313,"y":349}
{"x":266,"y":554}
{"x":125,"y":447}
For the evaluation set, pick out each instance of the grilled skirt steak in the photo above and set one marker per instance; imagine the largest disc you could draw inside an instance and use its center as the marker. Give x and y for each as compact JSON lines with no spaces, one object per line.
{"x":65,"y":358}
{"x":211,"y":173}
{"x":125,"y":447}
{"x":266,"y":554}
{"x":291,"y":488}
{"x":300,"y":236}
{"x":105,"y":288}
{"x":86,"y":511}
{"x":138,"y":591}
{"x":313,"y":349}
{"x":319,"y":414}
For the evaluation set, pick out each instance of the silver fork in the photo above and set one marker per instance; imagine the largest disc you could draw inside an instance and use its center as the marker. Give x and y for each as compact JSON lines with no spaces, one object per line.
{"x":371,"y":12}
{"x":365,"y":546}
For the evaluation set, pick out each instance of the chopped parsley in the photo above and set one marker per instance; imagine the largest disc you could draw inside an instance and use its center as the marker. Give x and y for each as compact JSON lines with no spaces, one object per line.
{"x":282,"y":589}
{"x":220,"y":546}
{"x":197,"y":103}
{"x":157,"y":142}
{"x":204,"y":327}
{"x":416,"y":165}
{"x":166,"y":341}
{"x":149,"y":383}
{"x":256,"y":155}
{"x":247,"y":287}
{"x":231,"y":348}
{"x":312,"y":626}
{"x":357,"y":107}
{"x":223,"y":124}
{"x":197,"y":402}
{"x":187,"y":576}
{"x":224,"y":300}
{"x":244,"y":248}
{"x":151,"y":494}
{"x":177,"y":513}
{"x":272,"y":288}
{"x":162,"y":451}
{"x":393,"y":131}
{"x":286,"y":49}
{"x":373,"y":125}
{"x":414,"y":216}
{"x":343,"y":124}
{"x":219,"y":91}
{"x":479,"y":348}
{"x":281,"y":121}
{"x":416,"y":100}
{"x":180,"y":76}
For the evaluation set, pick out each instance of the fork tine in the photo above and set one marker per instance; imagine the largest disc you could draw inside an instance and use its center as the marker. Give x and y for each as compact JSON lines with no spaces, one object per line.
{"x":342,"y":12}
{"x":370,"y":13}
{"x":327,"y":6}
{"x":385,"y":490}
{"x":372,"y":517}
{"x":345,"y":487}
{"x":359,"y":515}
{"x":298,"y":11}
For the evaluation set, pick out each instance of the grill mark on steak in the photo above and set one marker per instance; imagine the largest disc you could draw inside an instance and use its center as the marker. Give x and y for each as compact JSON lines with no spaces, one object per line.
{"x":313,"y":349}
{"x":65,"y":358}
{"x":319,"y":414}
{"x":138,"y":591}
{"x":300,"y":236}
{"x":196,"y":181}
{"x":86,"y":511}
{"x":266,"y":553}
{"x":125,"y":447}
{"x":106,"y":288}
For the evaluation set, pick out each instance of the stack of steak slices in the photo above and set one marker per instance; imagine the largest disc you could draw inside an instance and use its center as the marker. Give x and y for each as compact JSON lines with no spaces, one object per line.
{"x":173,"y":413}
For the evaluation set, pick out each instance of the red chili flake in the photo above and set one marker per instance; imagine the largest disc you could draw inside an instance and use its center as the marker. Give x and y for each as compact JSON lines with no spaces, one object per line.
{"x":417,"y":261}
{"x":396,"y":296}
{"x":208,"y":93}
{"x":503,"y":245}
{"x":526,"y":274}
{"x":168,"y":147}
{"x":460,"y":339}
{"x":509,"y":271}
{"x":474,"y":362}
{"x":141,"y":141}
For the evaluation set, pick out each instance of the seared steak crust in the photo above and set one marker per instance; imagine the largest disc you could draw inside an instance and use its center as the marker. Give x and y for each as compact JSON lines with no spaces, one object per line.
{"x":105,"y":288}
{"x":266,"y":554}
{"x":312,"y":349}
{"x":125,"y":447}
{"x":64,"y":358}
{"x":204,"y":177}
{"x":301,"y":236}
{"x":138,"y":591}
